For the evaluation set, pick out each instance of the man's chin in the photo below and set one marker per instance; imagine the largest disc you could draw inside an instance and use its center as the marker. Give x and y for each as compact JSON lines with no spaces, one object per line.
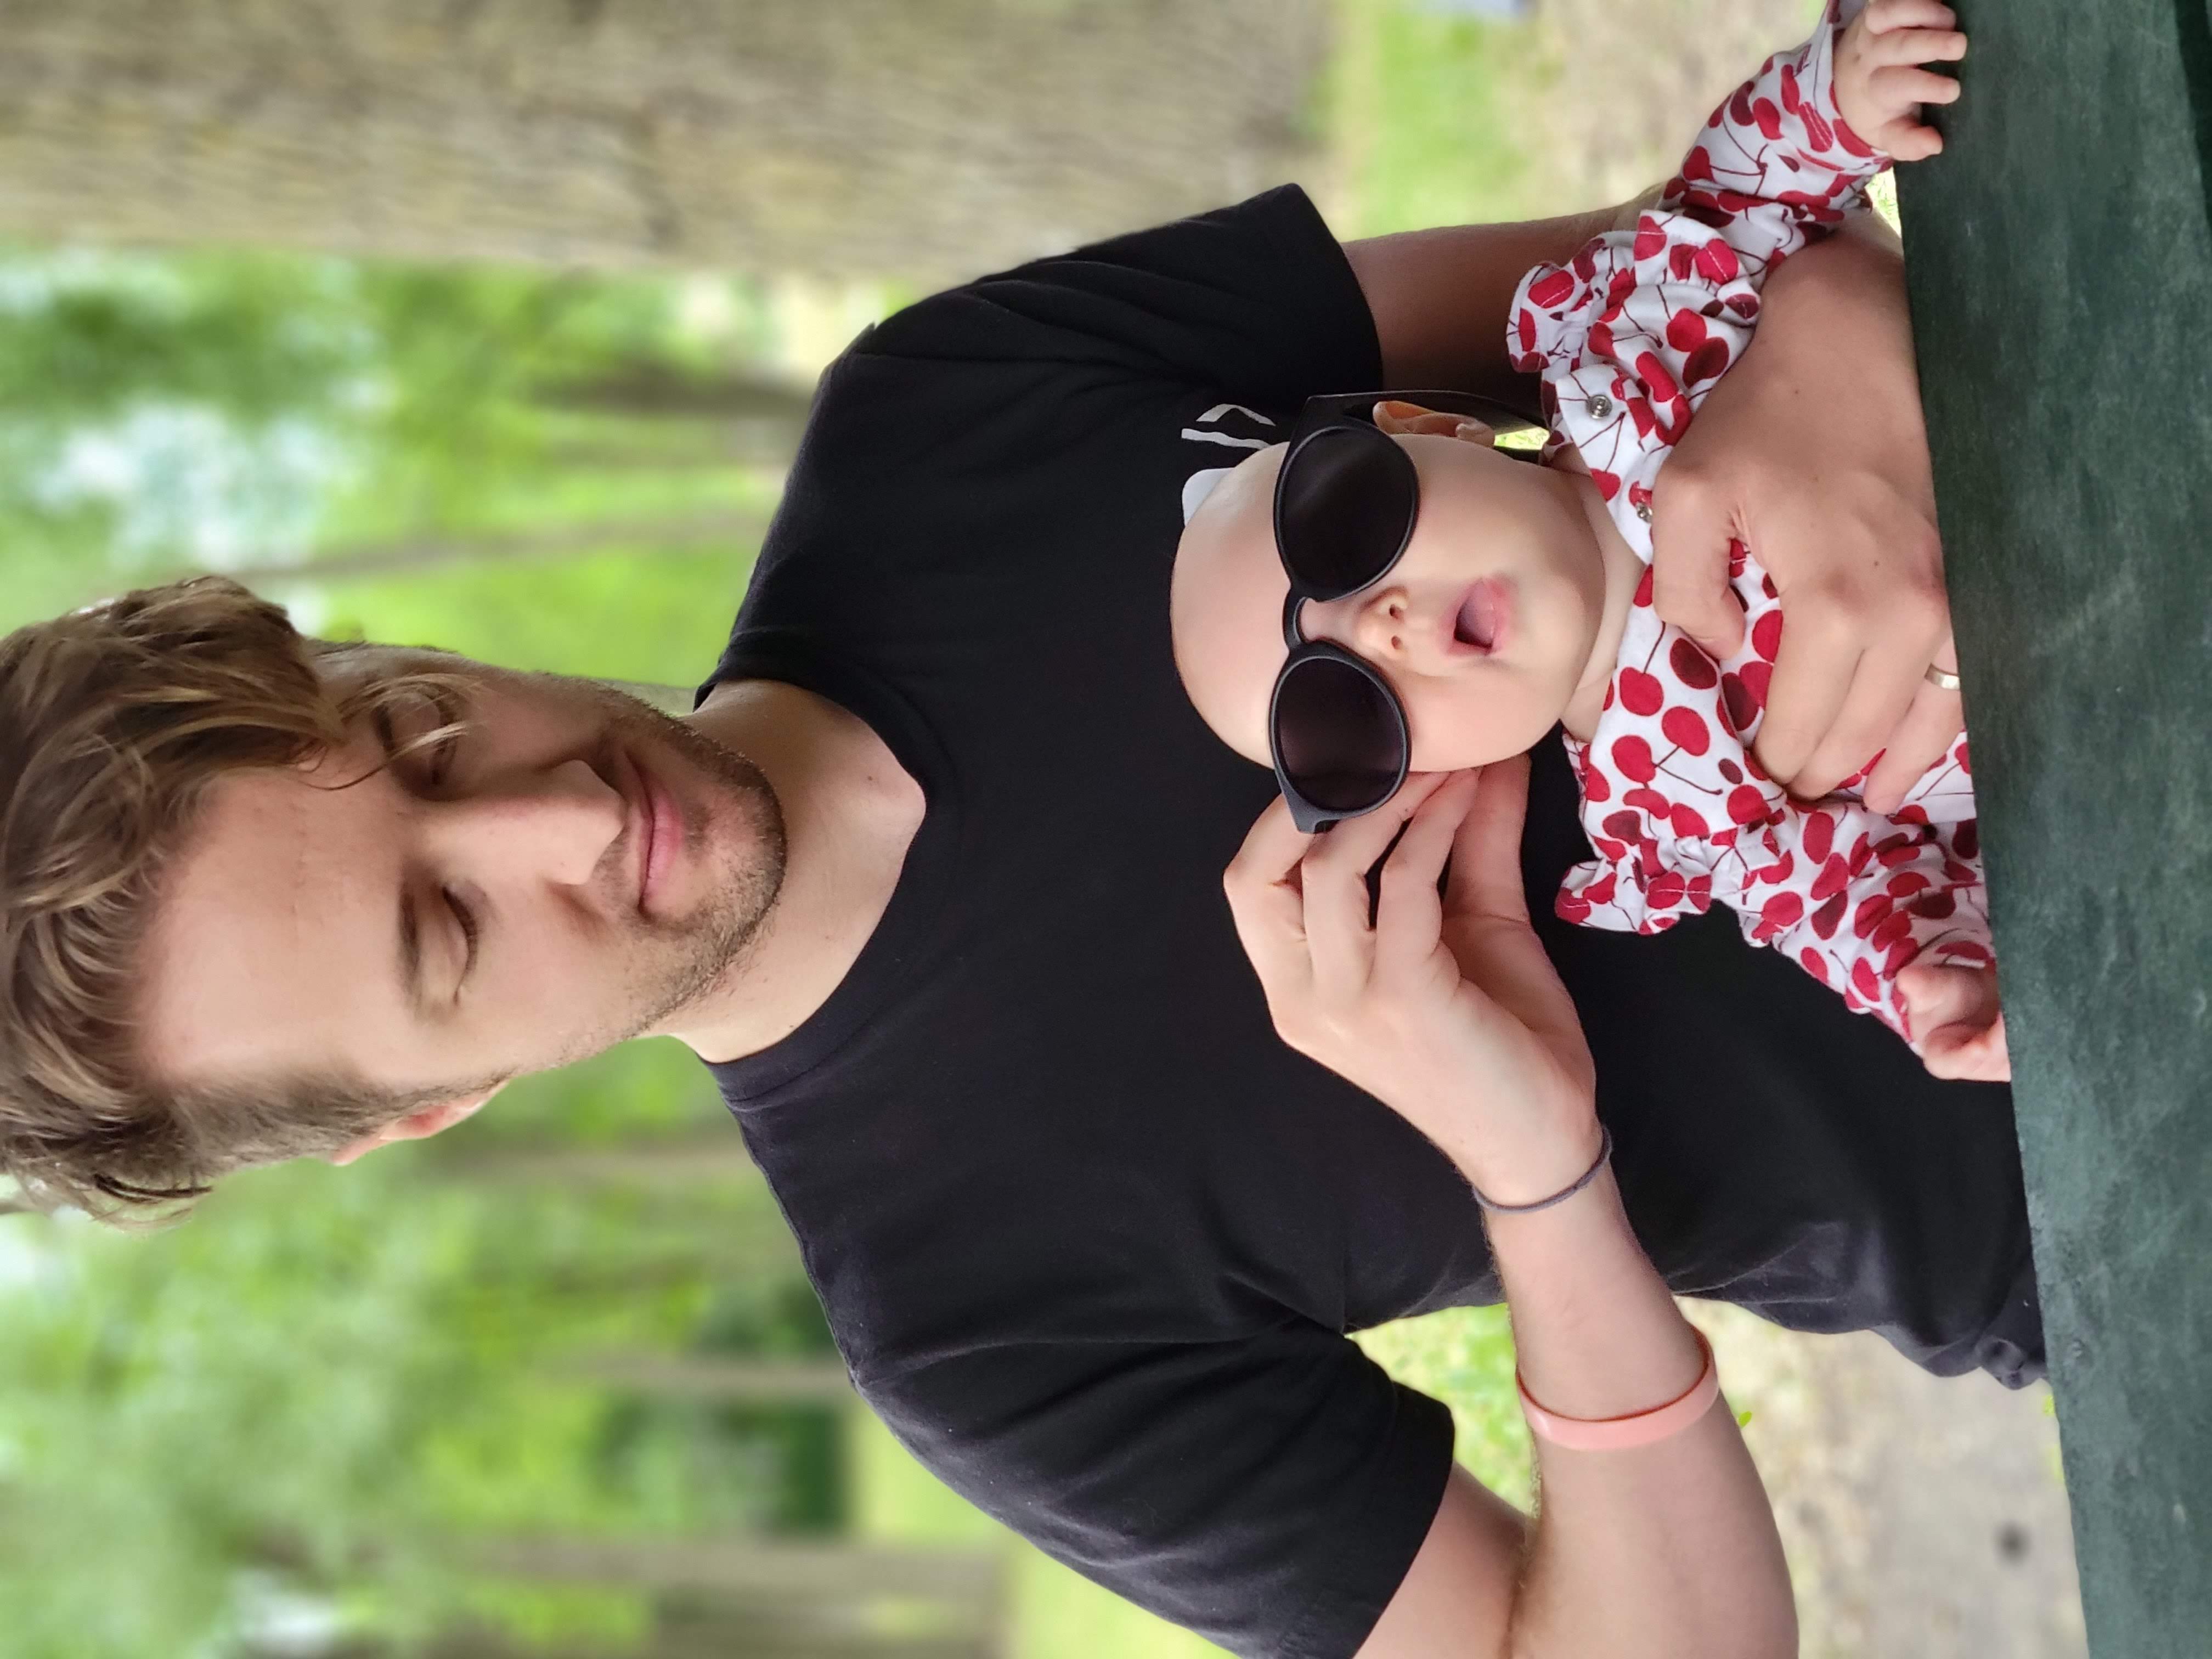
{"x":737,"y":841}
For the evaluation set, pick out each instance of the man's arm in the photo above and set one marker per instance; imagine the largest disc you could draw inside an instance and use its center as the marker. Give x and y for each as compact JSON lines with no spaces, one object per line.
{"x":1811,"y":449}
{"x":1440,"y":297}
{"x":1446,"y":1009}
{"x":1666,"y":1552}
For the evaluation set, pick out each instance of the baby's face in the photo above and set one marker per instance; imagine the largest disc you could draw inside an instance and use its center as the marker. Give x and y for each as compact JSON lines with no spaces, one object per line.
{"x":1484,"y":628}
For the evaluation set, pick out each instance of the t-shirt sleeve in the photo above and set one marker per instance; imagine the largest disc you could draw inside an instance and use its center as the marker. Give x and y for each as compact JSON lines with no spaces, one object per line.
{"x":1002,"y":452}
{"x":1269,"y":1493}
{"x":1256,"y":299}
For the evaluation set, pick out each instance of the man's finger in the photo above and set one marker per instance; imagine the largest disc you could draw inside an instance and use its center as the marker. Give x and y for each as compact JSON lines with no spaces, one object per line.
{"x":1335,"y":877}
{"x":1485,"y":857}
{"x":1409,"y":919}
{"x":1264,"y":901}
{"x":1921,"y":740}
{"x":1271,"y":849}
{"x":1497,"y":953}
{"x":1876,"y":703}
{"x":1690,"y":529}
{"x":1813,"y":672}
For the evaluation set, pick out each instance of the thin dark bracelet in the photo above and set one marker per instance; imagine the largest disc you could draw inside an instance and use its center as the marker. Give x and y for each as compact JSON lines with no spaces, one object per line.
{"x":1604,"y":1153}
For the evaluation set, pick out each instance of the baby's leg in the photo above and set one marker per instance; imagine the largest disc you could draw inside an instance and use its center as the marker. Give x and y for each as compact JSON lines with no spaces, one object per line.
{"x":1956,"y":1026}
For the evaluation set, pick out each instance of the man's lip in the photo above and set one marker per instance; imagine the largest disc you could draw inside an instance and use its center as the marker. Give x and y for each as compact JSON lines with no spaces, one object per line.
{"x":1484,"y":618}
{"x":659,"y":832}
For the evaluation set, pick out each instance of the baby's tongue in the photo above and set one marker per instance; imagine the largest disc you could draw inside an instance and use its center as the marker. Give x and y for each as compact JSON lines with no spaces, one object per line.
{"x":1478,"y":617}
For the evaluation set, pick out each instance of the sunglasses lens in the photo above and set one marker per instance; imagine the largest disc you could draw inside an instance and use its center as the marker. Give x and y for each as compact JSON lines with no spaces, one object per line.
{"x":1343,"y":508}
{"x":1338,"y":737}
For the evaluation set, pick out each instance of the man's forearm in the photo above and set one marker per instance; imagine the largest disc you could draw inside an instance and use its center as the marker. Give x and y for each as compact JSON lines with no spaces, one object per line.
{"x":1845,"y":293}
{"x":1662,"y":1550}
{"x":1440,"y":297}
{"x":1667,"y":1551}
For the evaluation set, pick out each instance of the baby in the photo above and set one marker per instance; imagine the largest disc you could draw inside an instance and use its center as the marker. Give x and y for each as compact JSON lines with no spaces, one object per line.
{"x":1373,"y":598}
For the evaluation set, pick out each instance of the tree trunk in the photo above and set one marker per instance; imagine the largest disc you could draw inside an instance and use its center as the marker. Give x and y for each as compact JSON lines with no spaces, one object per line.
{"x":725,"y":1379}
{"x":714,"y":527}
{"x":673,"y":419}
{"x":758,"y":1567}
{"x":922,"y":139}
{"x":652,"y":390}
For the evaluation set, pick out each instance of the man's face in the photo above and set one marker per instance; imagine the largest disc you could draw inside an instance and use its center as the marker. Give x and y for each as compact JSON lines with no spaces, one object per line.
{"x":572,"y":870}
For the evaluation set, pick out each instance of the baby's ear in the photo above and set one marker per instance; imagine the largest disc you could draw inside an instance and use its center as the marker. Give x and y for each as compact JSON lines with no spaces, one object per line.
{"x":1404,"y":419}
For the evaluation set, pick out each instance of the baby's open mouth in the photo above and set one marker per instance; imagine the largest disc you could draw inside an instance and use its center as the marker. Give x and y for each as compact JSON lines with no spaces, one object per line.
{"x":1482,"y":615}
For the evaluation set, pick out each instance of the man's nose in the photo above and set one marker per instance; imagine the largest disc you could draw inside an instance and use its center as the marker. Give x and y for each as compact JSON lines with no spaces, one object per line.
{"x":553,"y":825}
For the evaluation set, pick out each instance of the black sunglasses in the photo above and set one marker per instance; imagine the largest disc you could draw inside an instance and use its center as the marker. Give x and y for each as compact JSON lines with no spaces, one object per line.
{"x":1345,"y":503}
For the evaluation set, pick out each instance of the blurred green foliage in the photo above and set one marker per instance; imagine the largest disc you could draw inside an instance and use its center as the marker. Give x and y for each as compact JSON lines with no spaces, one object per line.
{"x":1421,"y":125}
{"x":330,"y":1381}
{"x":1464,"y":1356}
{"x":310,"y":1395}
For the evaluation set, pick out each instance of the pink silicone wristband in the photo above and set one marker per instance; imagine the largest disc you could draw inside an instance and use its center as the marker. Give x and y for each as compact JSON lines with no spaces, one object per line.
{"x":1638,"y":1428}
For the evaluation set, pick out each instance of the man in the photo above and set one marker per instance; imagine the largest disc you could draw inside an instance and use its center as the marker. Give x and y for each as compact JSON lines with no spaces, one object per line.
{"x":951,"y":931}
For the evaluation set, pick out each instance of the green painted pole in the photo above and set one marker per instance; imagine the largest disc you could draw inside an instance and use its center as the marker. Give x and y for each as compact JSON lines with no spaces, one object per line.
{"x":2060,"y":261}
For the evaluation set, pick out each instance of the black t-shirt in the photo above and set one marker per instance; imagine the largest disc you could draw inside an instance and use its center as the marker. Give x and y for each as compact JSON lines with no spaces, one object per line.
{"x":1089,"y":1235}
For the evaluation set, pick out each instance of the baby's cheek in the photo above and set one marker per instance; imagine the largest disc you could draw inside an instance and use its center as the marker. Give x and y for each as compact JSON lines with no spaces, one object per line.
{"x":1473,"y":722}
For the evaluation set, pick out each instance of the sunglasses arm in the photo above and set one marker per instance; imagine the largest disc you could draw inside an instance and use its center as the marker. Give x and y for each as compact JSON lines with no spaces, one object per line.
{"x":1308,"y":820}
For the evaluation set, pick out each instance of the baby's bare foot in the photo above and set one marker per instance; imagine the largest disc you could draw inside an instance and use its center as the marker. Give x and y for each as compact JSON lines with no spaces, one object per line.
{"x":1958,"y":1029}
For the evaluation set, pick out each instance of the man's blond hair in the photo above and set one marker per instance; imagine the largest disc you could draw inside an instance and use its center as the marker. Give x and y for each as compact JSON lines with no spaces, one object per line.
{"x":113,"y":721}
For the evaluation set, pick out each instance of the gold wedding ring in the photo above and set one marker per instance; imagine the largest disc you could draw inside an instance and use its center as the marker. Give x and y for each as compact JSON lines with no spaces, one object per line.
{"x":1943,"y":679}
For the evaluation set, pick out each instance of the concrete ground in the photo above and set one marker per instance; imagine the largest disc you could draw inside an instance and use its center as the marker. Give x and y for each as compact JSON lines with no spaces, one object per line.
{"x":1924,"y":1516}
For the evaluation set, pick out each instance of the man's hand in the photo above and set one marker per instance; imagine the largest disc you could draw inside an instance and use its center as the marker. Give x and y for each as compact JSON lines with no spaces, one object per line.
{"x":1443,"y":1006}
{"x":1811,"y":451}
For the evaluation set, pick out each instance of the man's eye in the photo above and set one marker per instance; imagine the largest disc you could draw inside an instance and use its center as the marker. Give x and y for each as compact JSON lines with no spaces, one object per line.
{"x":441,"y":755}
{"x":434,"y":734}
{"x":467,"y":919}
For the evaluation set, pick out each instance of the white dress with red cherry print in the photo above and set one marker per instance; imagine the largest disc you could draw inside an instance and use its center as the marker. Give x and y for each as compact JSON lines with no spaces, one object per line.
{"x":1628,"y":339}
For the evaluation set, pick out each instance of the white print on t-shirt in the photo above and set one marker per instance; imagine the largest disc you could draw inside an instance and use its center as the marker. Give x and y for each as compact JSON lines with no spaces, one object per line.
{"x":1200,"y":484}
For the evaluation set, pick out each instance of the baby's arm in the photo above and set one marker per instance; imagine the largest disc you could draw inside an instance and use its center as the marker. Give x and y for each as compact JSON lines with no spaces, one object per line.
{"x":1890,"y":916}
{"x":1959,"y":1030}
{"x":1880,"y":83}
{"x":1642,"y":323}
{"x":1793,"y":148}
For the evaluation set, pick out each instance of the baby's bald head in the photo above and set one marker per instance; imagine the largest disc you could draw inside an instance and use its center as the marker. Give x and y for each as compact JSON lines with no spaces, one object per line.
{"x":1225,"y":605}
{"x":1488,"y":625}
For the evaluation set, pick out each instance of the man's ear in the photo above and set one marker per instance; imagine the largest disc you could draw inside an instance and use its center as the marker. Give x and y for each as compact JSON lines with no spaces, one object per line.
{"x":418,"y":1124}
{"x":1403,"y":419}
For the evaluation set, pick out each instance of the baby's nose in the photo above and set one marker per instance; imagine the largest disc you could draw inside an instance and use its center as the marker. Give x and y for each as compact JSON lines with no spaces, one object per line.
{"x":1385,"y":628}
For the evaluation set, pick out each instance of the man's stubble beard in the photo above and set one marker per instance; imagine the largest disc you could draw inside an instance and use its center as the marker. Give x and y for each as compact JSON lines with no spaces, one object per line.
{"x":740,"y":830}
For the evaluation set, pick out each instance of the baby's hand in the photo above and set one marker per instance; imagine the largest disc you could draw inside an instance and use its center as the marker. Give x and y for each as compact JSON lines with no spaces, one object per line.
{"x":1879,"y":86}
{"x":1958,"y":1030}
